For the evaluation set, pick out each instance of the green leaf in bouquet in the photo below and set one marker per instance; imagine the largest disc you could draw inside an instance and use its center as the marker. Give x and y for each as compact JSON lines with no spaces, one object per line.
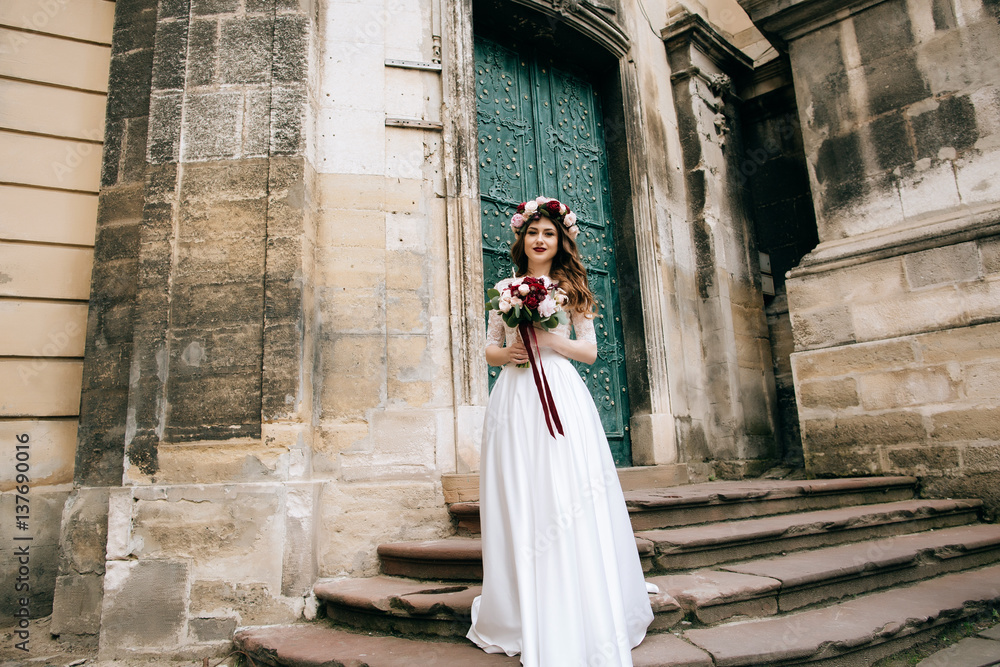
{"x":562,"y":317}
{"x":492,"y":293}
{"x":550,"y":323}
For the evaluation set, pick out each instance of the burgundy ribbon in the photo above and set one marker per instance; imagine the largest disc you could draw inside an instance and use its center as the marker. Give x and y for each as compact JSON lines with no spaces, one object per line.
{"x":541,"y":383}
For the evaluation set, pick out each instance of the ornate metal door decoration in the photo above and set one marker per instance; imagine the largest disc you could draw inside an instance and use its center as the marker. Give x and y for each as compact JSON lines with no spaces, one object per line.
{"x":540,"y":132}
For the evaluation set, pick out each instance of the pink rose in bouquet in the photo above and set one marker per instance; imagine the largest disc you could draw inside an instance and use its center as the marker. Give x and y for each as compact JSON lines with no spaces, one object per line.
{"x":528,"y":300}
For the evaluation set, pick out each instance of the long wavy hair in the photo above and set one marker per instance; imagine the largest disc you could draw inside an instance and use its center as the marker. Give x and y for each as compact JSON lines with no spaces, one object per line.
{"x":567,"y":269}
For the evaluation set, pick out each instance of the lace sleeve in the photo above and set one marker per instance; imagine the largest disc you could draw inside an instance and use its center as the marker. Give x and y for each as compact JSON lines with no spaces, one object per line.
{"x":496,"y":331}
{"x":584,"y":327}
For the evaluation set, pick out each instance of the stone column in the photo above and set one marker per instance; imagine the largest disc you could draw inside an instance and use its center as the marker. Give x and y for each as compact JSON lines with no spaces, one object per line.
{"x":895,"y":313}
{"x":196,"y":409}
{"x":739,"y":402}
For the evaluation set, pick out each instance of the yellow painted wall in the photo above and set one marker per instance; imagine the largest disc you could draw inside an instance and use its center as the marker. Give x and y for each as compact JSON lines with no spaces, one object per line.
{"x":54,"y":57}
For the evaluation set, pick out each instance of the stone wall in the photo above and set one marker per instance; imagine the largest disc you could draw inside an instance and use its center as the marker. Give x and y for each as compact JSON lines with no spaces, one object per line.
{"x":915,"y":391}
{"x":893,"y":312}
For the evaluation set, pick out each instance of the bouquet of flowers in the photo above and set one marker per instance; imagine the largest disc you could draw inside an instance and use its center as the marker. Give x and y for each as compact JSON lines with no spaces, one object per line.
{"x":527,"y":300}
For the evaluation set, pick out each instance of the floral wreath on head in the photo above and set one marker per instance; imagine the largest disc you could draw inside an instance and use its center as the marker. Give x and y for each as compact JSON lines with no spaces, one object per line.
{"x":552,"y":209}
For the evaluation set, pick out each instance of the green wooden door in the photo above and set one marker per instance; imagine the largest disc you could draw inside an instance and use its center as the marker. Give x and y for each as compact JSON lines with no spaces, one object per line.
{"x":540,"y":133}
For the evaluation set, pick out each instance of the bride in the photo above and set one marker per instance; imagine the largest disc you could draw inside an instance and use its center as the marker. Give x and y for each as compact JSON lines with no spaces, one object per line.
{"x":562,"y":584}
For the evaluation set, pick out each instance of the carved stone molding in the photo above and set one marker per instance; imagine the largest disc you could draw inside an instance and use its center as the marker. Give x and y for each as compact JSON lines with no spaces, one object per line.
{"x":783,"y":21}
{"x":592,"y":18}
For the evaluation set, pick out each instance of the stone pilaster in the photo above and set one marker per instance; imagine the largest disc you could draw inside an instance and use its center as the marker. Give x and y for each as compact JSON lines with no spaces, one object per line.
{"x":739,"y":384}
{"x":198,"y":370}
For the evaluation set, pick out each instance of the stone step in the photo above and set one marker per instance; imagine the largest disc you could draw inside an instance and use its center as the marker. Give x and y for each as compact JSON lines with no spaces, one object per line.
{"x":409,"y":607}
{"x":318,"y":645}
{"x":720,"y":501}
{"x":464,"y":487}
{"x":703,"y":546}
{"x":859,"y":631}
{"x":454,"y":558}
{"x":765,"y":587}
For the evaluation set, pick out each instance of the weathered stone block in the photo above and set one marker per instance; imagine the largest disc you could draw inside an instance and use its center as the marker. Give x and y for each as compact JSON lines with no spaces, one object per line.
{"x":211,"y":125}
{"x":245,"y":50}
{"x":965,"y":485}
{"x":77,"y":608}
{"x":212,"y":629}
{"x":822,"y":327}
{"x":875,"y":280}
{"x":207,"y":407}
{"x":351,"y":191}
{"x":298,"y":569}
{"x":352,"y":228}
{"x":950,"y":264}
{"x":223,"y":260}
{"x":84,"y":531}
{"x":981,"y":458}
{"x":989,"y":252}
{"x":164,"y":127}
{"x":895,"y":81}
{"x":364,"y":512}
{"x":842,"y":460}
{"x":889,"y":428}
{"x":153,"y":590}
{"x":936,"y":308}
{"x":291,"y":38}
{"x":923,"y":459}
{"x":222,"y":180}
{"x":889,"y":136}
{"x":254,"y":603}
{"x":951,"y":124}
{"x":288,"y":104}
{"x":406,"y":312}
{"x":133,"y":158}
{"x":883,"y":31}
{"x":205,"y":7}
{"x":212,"y":305}
{"x":170,"y":55}
{"x":970,"y":424}
{"x":982,"y":299}
{"x":355,"y":311}
{"x":129,"y":82}
{"x":979,"y":343}
{"x":352,"y":267}
{"x":229,"y":532}
{"x":850,"y":359}
{"x":982,"y":381}
{"x":839,"y":161}
{"x":880,"y":391}
{"x":118,"y":207}
{"x":257,"y":123}
{"x":829,"y":394}
{"x":203,"y":47}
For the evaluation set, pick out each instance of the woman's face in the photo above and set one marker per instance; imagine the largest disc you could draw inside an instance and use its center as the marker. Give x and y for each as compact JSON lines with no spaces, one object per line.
{"x":541,"y":241}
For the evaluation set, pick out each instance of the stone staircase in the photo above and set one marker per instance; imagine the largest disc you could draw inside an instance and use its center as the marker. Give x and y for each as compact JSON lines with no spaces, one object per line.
{"x":759,"y":572}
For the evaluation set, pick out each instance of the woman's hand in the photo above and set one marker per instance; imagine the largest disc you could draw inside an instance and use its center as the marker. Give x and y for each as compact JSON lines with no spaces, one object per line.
{"x":544,"y":337}
{"x":516,"y":354}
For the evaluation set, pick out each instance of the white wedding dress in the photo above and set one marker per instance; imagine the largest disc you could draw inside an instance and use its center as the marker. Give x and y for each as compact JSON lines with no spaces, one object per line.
{"x":562,"y":584}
